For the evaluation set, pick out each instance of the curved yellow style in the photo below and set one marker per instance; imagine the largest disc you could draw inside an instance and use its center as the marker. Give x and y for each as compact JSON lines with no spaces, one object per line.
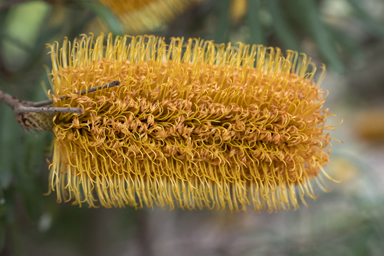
{"x":193,"y":124}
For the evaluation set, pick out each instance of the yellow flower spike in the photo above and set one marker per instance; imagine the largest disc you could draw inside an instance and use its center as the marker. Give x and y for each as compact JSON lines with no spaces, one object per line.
{"x":146,"y":15}
{"x":192,"y":125}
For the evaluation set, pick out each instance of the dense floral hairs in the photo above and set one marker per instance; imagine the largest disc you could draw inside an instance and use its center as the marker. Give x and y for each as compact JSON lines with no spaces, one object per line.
{"x":193,"y":125}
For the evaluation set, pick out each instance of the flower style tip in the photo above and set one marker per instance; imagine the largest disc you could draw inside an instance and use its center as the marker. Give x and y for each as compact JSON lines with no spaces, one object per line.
{"x":193,"y":124}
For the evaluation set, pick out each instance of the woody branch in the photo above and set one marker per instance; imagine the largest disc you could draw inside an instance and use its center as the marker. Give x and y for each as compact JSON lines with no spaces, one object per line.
{"x":19,"y":106}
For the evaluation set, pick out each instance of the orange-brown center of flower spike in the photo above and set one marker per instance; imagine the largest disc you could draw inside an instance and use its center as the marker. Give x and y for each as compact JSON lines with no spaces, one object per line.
{"x":195,"y":124}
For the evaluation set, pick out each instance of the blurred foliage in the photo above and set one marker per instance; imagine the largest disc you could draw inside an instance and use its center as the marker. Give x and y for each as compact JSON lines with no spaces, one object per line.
{"x":28,"y":217}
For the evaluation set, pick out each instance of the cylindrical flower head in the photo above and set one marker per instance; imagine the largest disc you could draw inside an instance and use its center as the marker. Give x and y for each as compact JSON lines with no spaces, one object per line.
{"x":193,"y":124}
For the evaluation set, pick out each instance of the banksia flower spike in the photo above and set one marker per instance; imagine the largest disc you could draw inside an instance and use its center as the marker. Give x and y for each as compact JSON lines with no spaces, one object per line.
{"x":192,"y":124}
{"x":146,"y":15}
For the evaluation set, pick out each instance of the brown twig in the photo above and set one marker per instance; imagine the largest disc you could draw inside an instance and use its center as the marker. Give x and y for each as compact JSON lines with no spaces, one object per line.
{"x":28,"y":106}
{"x":93,"y":89}
{"x":23,"y":109}
{"x":27,"y":112}
{"x":9,"y":100}
{"x":19,"y":106}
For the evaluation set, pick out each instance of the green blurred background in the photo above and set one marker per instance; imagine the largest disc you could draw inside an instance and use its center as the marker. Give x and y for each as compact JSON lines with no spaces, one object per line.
{"x":346,"y":35}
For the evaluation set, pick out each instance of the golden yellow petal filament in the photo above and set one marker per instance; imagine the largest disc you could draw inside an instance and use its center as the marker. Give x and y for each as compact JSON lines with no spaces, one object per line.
{"x":192,"y":125}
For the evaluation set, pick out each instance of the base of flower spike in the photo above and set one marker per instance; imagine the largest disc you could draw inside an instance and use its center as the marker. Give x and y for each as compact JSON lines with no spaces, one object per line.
{"x":170,"y":192}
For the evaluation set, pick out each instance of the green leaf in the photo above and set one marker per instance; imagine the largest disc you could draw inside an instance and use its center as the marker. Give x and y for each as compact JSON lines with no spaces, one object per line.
{"x":346,"y":43}
{"x":367,"y":19}
{"x":15,"y":163}
{"x":309,"y":18}
{"x":2,"y":220}
{"x":105,"y":14}
{"x":36,"y":57}
{"x":10,"y":212}
{"x":221,"y":35}
{"x":2,"y":205}
{"x":255,"y":26}
{"x":7,"y":146}
{"x":32,"y":155}
{"x":283,"y":30}
{"x":17,"y":37}
{"x":2,"y":235}
{"x":29,"y":194}
{"x":31,"y":150}
{"x":81,"y":18}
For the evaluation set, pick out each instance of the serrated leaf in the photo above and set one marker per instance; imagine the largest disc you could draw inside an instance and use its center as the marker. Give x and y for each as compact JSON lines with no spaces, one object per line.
{"x":255,"y":26}
{"x":106,"y":15}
